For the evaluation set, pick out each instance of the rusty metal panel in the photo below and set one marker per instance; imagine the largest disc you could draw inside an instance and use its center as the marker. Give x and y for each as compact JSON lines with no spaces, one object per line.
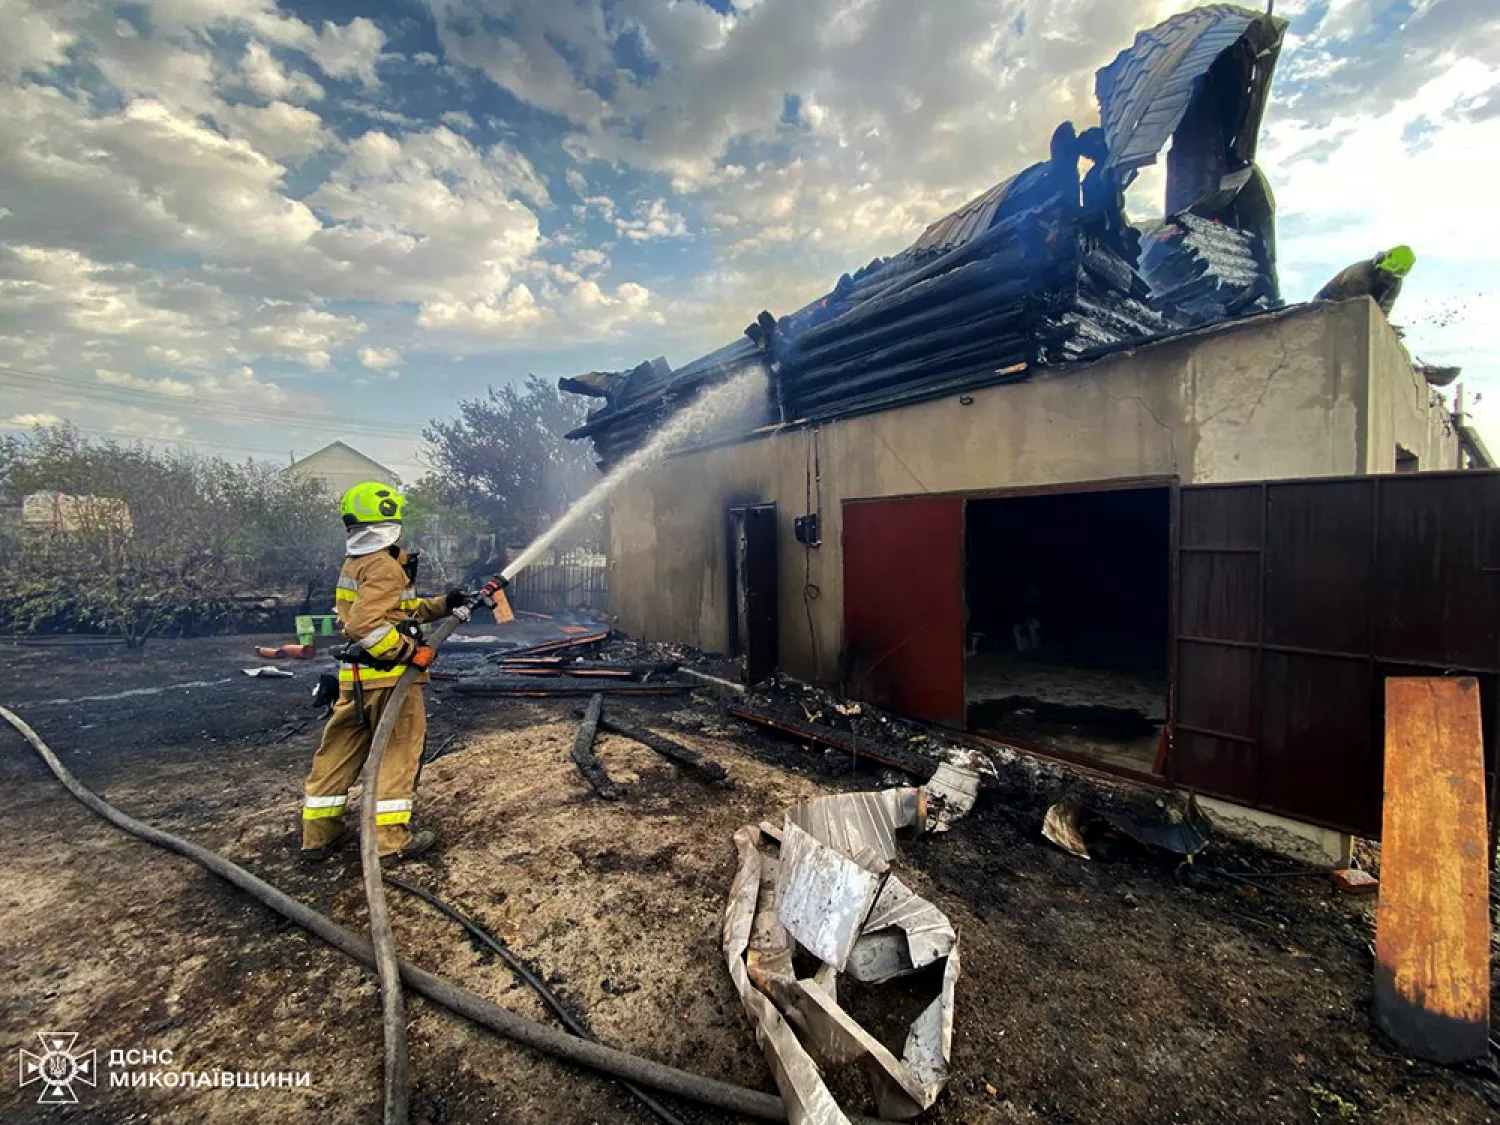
{"x":1295,"y":601}
{"x":1218,"y":536}
{"x":1216,"y":688}
{"x":903,"y":604}
{"x":1432,"y":939}
{"x":1220,"y":767}
{"x":1317,"y":753}
{"x":1439,"y":570}
{"x":1319,"y":565}
{"x":1219,"y":595}
{"x":1221,"y":517}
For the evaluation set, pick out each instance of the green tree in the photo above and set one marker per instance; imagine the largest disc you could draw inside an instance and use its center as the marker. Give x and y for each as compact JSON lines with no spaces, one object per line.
{"x":505,"y":460}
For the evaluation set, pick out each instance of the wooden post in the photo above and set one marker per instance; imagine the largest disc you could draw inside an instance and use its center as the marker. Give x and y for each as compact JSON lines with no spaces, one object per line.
{"x":583,"y":752}
{"x":1432,"y":945}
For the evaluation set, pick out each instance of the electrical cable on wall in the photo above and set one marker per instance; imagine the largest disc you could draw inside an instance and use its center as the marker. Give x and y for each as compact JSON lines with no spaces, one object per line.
{"x":810,"y":592}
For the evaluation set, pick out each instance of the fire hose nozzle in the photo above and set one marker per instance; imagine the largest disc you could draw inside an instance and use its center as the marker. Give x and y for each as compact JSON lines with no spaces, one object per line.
{"x":485,"y":595}
{"x":491,"y":595}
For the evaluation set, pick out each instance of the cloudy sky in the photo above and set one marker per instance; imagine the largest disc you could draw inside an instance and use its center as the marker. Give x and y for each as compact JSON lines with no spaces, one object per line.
{"x":252,"y":227}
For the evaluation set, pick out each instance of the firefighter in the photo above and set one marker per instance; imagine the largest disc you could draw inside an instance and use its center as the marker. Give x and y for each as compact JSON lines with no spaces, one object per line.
{"x":1378,"y":277}
{"x":377,"y":610}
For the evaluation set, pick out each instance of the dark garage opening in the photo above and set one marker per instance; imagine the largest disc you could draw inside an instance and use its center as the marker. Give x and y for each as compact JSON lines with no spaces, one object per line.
{"x":1068,"y":599}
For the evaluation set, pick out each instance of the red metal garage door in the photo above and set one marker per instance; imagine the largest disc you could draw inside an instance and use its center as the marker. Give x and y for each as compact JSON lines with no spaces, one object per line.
{"x":1295,"y":600}
{"x":903,"y":605}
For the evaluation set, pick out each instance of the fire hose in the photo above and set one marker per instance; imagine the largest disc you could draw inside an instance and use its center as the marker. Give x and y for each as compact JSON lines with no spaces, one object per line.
{"x":595,"y":1056}
{"x":387,"y":964}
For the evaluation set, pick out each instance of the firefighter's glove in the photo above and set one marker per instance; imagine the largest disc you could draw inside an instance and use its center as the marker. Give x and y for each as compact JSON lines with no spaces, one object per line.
{"x":455,"y":598}
{"x":326,"y":691}
{"x":424,"y":656}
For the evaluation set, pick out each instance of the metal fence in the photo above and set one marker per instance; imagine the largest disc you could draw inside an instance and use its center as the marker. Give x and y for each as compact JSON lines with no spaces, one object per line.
{"x":552,"y":589}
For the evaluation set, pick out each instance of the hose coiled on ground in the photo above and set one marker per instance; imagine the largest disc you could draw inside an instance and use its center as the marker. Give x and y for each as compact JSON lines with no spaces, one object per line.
{"x":595,"y":1056}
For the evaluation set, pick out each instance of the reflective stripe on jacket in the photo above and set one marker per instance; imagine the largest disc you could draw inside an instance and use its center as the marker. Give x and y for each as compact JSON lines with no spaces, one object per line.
{"x":371,"y":599}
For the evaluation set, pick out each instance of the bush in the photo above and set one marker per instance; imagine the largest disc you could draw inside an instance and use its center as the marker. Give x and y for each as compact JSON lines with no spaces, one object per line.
{"x":153,"y":541}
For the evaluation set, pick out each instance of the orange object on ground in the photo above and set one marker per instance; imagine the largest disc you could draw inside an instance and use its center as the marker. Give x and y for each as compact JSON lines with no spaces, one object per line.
{"x":1355,"y":881}
{"x":296,"y":652}
{"x":575,"y":630}
{"x":1432,"y":937}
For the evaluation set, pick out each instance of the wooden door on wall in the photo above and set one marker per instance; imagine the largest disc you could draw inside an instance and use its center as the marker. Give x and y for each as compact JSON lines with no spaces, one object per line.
{"x":903,"y":605}
{"x":1295,"y":600}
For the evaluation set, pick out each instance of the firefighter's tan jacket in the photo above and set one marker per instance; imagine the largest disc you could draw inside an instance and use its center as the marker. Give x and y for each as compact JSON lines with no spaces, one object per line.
{"x":373,"y":597}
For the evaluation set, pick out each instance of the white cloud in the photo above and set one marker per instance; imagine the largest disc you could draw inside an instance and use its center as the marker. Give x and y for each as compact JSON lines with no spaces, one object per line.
{"x":653,"y":219}
{"x":280,"y":130}
{"x":32,"y":41}
{"x":904,"y":111}
{"x":589,"y":258}
{"x":578,"y":309}
{"x":134,"y":422}
{"x":349,"y":50}
{"x":188,"y":195}
{"x":507,"y":316}
{"x":428,"y":214}
{"x":243,"y":386}
{"x":607,"y":313}
{"x":285,"y":331}
{"x":29,"y":420}
{"x":379,"y":359}
{"x":265,"y":75}
{"x":125,"y":318}
{"x":164,"y":386}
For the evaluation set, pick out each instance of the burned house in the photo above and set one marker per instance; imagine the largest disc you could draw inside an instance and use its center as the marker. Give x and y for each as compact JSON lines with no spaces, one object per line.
{"x":1082,"y":487}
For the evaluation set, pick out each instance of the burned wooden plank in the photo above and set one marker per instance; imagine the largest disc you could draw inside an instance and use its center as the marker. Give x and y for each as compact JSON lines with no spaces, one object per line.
{"x":586,"y":673}
{"x":1432,"y":937}
{"x":583,"y":752}
{"x":563,"y":646}
{"x":886,"y":753}
{"x":606,"y":669}
{"x":562,"y":686}
{"x":672,"y":751}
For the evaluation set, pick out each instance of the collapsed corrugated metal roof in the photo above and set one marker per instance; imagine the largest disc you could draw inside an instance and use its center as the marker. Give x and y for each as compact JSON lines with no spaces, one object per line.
{"x":1042,"y":269}
{"x":1201,"y":80}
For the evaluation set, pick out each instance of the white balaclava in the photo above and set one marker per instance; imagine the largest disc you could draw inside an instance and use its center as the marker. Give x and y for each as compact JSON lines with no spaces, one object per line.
{"x":367,"y":538}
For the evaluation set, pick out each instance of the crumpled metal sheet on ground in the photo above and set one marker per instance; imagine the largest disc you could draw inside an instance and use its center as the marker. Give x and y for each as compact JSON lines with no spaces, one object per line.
{"x":808,"y":1100}
{"x":1065,"y":822}
{"x":1061,"y":826}
{"x":828,"y":889}
{"x":823,"y":897}
{"x":904,"y":922}
{"x":861,"y":826}
{"x":951,"y":793}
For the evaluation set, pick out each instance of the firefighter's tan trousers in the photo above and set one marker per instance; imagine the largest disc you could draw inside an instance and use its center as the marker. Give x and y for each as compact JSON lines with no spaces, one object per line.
{"x":336,"y":765}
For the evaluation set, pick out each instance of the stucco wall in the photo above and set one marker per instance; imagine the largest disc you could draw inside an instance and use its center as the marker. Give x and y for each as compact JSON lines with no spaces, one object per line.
{"x":1279,"y":396}
{"x":1401,"y":407}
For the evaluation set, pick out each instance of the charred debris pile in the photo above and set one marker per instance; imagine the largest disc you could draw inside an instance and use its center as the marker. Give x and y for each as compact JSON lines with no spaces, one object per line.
{"x":1042,"y":270}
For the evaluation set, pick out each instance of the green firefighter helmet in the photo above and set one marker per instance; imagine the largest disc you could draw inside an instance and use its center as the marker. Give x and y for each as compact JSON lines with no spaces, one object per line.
{"x":1397,"y":260}
{"x":371,"y":501}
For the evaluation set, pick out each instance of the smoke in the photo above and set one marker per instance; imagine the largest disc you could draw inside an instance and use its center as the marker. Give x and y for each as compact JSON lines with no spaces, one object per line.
{"x":737,"y":399}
